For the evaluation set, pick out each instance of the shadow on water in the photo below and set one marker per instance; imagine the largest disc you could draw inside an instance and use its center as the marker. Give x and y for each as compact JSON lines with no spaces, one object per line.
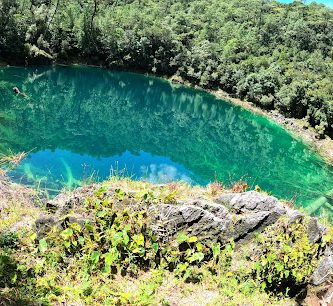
{"x":81,"y":120}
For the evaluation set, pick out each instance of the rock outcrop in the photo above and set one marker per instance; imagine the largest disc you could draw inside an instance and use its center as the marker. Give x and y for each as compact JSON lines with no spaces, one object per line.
{"x":230,"y":216}
{"x":227,"y":216}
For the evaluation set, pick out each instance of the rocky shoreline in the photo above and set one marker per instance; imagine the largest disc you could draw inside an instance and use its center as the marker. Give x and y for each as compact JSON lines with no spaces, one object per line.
{"x":223,"y":217}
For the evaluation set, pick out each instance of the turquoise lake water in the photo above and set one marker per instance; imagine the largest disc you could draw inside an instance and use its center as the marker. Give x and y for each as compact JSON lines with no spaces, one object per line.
{"x":80,"y":122}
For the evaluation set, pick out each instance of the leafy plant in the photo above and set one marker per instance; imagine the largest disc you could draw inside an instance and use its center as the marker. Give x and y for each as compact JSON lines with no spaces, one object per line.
{"x":287,"y":258}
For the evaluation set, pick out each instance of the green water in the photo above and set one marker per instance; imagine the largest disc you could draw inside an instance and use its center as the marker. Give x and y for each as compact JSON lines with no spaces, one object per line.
{"x":80,"y":122}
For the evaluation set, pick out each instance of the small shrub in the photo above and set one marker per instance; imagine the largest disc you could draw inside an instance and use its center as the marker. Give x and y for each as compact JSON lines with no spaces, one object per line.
{"x":215,"y":187}
{"x":287,"y":258}
{"x":8,"y":240}
{"x":239,"y":187}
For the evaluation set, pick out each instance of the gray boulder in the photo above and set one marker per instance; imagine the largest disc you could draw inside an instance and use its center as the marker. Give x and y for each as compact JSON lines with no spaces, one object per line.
{"x":324,"y":270}
{"x":43,"y":224}
{"x":170,"y":219}
{"x":252,"y":211}
{"x":232,"y":215}
{"x":315,"y":230}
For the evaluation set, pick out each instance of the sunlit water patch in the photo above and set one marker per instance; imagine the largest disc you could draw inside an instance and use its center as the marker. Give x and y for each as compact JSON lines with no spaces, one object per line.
{"x":65,"y":168}
{"x":82,"y":123}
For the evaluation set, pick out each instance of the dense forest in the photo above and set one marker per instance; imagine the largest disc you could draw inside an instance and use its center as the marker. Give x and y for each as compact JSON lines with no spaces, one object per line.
{"x":276,"y":56}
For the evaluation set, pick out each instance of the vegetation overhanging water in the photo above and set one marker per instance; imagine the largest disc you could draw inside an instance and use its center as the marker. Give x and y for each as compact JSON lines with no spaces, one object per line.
{"x":79,"y":122}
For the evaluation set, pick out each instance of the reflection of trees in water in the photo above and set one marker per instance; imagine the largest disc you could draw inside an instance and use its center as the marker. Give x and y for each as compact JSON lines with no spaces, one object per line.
{"x":105,"y":113}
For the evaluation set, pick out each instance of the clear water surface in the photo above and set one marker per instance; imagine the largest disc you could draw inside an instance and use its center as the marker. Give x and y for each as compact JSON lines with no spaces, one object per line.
{"x":79,"y":122}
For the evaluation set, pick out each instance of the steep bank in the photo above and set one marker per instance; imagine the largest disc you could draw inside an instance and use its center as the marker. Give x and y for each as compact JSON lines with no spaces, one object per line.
{"x":124,"y":242}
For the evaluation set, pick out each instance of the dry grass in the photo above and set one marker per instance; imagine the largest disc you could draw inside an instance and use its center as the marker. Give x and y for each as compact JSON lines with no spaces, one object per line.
{"x":17,"y":204}
{"x":11,"y":161}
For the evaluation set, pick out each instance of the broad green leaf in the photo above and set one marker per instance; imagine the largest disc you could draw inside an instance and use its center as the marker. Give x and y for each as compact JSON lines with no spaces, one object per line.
{"x":102,"y":213}
{"x":67,"y":244}
{"x":67,"y":233}
{"x":81,"y":240}
{"x":139,"y":239}
{"x":199,"y":247}
{"x":216,"y":248}
{"x":192,"y":239}
{"x":33,"y":237}
{"x":182,"y":237}
{"x":198,"y":256}
{"x":43,"y":245}
{"x":13,"y":277}
{"x":125,"y":238}
{"x":117,"y":238}
{"x":89,"y":227}
{"x":110,"y":257}
{"x":155,"y":246}
{"x":95,"y":257}
{"x":120,"y":194}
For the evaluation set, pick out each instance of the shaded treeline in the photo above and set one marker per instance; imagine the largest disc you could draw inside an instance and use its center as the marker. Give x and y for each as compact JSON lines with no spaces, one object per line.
{"x":277,"y":56}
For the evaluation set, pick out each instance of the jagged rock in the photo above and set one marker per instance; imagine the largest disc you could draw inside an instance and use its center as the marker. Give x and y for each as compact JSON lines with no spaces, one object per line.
{"x":44,"y":224}
{"x":327,"y":298}
{"x":232,"y":215}
{"x":294,"y":215}
{"x":315,"y":230}
{"x":218,"y":210}
{"x":245,"y":225}
{"x":196,"y":221}
{"x":76,"y":218}
{"x":252,"y":201}
{"x":252,"y":211}
{"x":64,"y":202}
{"x":324,"y":269}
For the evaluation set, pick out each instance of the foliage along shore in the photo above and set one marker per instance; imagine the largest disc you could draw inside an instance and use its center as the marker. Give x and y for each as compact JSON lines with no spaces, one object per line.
{"x":274,"y":55}
{"x":123,"y":242}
